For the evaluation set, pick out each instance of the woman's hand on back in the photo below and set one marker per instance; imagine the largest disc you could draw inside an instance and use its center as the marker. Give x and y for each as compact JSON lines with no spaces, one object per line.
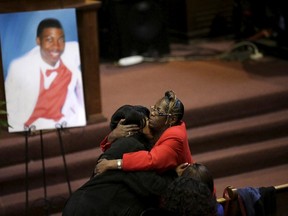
{"x":104,"y":165}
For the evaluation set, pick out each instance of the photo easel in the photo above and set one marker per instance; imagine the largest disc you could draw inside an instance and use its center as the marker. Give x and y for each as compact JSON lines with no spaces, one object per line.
{"x":31,"y":131}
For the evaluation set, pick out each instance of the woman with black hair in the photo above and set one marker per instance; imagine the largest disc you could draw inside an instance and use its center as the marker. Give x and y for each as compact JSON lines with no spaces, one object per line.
{"x":187,"y":196}
{"x":192,"y":193}
{"x":201,"y":173}
{"x":116,"y":192}
{"x":140,"y":140}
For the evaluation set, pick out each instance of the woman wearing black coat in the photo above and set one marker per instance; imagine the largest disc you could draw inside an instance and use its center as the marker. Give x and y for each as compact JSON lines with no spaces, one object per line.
{"x":118,"y":193}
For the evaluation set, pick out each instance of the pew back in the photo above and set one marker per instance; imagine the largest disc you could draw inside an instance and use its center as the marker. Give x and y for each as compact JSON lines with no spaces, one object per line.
{"x":233,"y":203}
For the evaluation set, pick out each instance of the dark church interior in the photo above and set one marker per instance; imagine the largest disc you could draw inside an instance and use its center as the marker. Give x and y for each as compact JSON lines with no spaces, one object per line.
{"x":227,"y":60}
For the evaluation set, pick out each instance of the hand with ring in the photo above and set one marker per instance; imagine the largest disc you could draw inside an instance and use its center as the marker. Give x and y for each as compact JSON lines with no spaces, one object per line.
{"x":129,"y":134}
{"x":122,"y":131}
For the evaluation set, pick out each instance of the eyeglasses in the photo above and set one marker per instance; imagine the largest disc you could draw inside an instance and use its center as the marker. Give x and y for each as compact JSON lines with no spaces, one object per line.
{"x":157,"y":112}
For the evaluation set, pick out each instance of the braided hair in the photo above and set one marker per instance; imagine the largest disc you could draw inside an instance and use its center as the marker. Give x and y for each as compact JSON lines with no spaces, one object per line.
{"x":174,"y":106}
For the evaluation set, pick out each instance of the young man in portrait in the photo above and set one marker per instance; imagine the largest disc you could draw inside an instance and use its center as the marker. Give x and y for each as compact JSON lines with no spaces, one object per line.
{"x":44,"y":87}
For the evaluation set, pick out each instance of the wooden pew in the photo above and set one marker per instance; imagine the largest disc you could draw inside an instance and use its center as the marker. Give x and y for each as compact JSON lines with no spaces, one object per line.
{"x":233,"y":205}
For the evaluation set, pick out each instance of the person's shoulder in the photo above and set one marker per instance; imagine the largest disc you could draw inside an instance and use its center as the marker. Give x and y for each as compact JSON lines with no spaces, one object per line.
{"x":29,"y":58}
{"x":124,"y":145}
{"x":178,"y":130}
{"x":71,"y":45}
{"x":71,"y":54}
{"x":130,"y":140}
{"x":28,"y":55}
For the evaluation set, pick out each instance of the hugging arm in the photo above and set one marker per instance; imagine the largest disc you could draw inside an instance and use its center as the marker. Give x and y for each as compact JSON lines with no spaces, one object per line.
{"x":120,"y":131}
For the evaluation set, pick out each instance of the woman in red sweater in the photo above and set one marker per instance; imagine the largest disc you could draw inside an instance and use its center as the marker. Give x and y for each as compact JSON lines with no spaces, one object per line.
{"x":170,"y":137}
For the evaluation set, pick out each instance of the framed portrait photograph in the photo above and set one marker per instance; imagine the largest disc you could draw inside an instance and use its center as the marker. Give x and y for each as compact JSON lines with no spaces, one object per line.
{"x":42,"y":70}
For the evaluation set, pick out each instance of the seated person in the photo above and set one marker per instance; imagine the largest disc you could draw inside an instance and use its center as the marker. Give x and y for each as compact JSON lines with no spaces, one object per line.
{"x":195,"y":171}
{"x":185,"y":196}
{"x":201,"y":173}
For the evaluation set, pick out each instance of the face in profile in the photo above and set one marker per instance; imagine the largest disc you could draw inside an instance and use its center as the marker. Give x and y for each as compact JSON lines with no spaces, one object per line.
{"x":158,"y":116}
{"x":52,"y":44}
{"x":146,"y":130}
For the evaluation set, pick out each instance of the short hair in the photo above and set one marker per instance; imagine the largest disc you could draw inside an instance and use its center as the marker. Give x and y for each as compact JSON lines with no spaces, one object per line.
{"x":132,"y":115}
{"x":201,"y":173}
{"x":186,"y":196}
{"x":48,"y":23}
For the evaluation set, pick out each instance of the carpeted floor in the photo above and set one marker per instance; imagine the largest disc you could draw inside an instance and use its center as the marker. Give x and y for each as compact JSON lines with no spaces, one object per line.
{"x":199,"y":82}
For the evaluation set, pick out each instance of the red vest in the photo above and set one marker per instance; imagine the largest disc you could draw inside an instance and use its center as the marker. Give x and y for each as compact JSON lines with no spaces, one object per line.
{"x":50,"y":101}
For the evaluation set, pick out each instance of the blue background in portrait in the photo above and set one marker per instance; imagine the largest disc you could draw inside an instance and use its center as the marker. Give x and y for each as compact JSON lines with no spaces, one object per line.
{"x":18,"y":31}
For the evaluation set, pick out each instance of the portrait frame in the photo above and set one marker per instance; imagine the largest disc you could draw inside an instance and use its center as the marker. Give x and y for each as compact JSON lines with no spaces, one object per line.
{"x":18,"y":38}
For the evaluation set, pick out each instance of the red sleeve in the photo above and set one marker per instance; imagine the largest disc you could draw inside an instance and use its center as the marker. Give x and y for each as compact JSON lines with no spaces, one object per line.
{"x":168,"y":152}
{"x":104,"y":145}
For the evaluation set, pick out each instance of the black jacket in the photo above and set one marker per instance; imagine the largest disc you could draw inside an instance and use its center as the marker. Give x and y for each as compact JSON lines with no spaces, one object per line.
{"x":118,"y":193}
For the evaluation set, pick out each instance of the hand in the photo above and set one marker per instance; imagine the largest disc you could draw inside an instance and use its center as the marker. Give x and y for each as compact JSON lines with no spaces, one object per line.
{"x":180,"y":168}
{"x":104,"y":165}
{"x":122,"y":131}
